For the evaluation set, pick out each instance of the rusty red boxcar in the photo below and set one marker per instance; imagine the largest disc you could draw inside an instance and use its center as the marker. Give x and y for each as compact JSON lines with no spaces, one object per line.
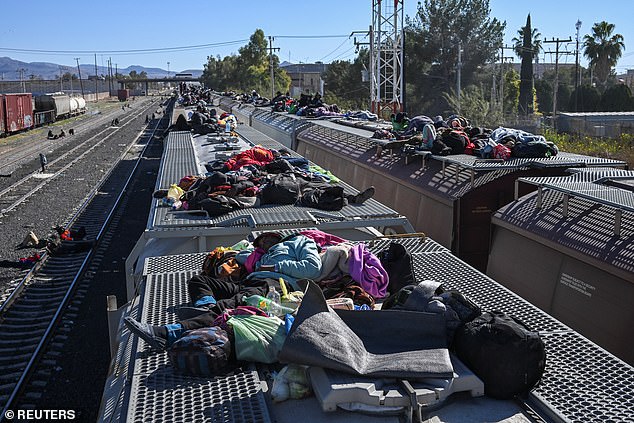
{"x":18,"y":112}
{"x":3,"y":129}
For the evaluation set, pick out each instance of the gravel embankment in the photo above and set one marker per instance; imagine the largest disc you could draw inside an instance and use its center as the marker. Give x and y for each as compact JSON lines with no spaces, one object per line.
{"x":57,"y":201}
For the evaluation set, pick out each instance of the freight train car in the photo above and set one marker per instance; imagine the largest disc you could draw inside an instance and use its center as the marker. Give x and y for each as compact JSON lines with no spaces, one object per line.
{"x":58,"y":102}
{"x":17,"y":112}
{"x":567,"y":248}
{"x":123,"y":95}
{"x":23,"y":111}
{"x":2,"y":127}
{"x":581,"y":383}
{"x":450,"y":198}
{"x":77,"y":106}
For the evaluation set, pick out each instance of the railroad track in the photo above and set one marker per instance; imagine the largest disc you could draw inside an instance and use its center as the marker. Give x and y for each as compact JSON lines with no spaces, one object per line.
{"x":20,"y":191}
{"x":38,"y":312}
{"x":15,"y":156}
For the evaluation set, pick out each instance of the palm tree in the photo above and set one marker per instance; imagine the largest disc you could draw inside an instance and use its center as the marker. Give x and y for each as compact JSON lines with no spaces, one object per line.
{"x":603,"y":49}
{"x":536,"y":42}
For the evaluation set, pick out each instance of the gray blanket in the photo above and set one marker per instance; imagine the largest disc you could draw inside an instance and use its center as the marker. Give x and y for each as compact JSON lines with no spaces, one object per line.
{"x":388,"y":343}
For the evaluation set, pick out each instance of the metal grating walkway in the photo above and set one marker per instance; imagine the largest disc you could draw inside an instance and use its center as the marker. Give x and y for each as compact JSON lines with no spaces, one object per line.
{"x":582,"y":382}
{"x":155,"y":393}
{"x":181,"y":156}
{"x":178,"y":159}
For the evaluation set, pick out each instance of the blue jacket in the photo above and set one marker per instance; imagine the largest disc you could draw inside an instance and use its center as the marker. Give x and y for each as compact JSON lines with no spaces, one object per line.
{"x":294,"y":258}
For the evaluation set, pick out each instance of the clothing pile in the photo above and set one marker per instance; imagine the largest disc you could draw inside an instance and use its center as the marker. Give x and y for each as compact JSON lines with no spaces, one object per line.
{"x":277,"y":300}
{"x":455,"y":135}
{"x":260,"y":176}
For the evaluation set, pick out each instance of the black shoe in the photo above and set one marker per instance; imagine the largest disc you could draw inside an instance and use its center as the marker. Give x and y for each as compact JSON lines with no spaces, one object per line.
{"x":146,"y":332}
{"x":188,"y":312}
{"x":363,"y":196}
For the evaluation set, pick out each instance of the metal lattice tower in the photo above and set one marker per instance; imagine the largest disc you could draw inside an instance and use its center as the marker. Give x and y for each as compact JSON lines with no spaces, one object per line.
{"x":386,"y":55}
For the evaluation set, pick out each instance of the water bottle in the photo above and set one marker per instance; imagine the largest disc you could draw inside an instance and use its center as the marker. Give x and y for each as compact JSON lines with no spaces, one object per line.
{"x":258,"y":301}
{"x":267,"y":305}
{"x":240,"y":245}
{"x":228,"y":127}
{"x":274,"y":307}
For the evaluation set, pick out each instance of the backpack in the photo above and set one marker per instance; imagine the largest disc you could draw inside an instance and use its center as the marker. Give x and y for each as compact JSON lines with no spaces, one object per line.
{"x":503,"y":352}
{"x":397,"y":262}
{"x":500,"y":151}
{"x":430,"y":296}
{"x":201,"y":352}
{"x":283,"y":188}
{"x":456,"y":140}
{"x":214,"y":206}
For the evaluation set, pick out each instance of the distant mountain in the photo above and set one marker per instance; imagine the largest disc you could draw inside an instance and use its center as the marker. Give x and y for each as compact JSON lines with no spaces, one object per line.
{"x":10,"y":70}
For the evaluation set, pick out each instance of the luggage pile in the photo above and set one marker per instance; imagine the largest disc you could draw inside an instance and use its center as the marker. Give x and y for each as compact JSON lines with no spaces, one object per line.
{"x":258,"y":177}
{"x":455,"y":135}
{"x":306,"y":300}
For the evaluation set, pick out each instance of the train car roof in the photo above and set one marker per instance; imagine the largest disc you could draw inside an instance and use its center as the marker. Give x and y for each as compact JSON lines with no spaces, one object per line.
{"x":600,"y":213}
{"x":185,"y":154}
{"x":449,"y":177}
{"x":582,"y":382}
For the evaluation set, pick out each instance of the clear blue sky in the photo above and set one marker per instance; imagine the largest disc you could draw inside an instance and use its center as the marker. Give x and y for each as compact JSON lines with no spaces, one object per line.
{"x":83,"y":27}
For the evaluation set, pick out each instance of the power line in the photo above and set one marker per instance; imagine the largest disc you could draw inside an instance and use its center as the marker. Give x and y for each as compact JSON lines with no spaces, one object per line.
{"x":312,"y":36}
{"x":338,"y":47}
{"x":344,"y":53}
{"x":135,"y":51}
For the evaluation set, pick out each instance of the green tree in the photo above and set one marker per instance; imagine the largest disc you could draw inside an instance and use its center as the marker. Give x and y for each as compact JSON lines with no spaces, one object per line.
{"x":617,"y":98}
{"x":475,"y":106}
{"x":252,"y":63}
{"x":603,"y":49}
{"x":544,"y":94}
{"x":432,"y":41}
{"x":344,"y":86}
{"x":527,"y":47}
{"x":587,"y":99}
{"x":511,"y":91}
{"x":248,"y":70}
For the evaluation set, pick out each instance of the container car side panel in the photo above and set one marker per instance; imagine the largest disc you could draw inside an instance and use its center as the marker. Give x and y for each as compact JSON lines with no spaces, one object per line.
{"x":3,"y":129}
{"x":18,"y":112}
{"x":62,"y":106}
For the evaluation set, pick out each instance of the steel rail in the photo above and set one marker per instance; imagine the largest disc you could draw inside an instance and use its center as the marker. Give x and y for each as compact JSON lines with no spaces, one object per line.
{"x":61,"y":308}
{"x":21,"y":183}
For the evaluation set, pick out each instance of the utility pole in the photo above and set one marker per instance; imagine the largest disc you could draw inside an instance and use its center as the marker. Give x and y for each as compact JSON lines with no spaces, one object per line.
{"x":577,"y":26}
{"x":459,"y":71}
{"x":61,"y":87}
{"x":96,"y":80}
{"x":271,"y":50}
{"x":21,"y":70}
{"x":371,"y":70}
{"x":556,"y":87}
{"x":80,"y":82}
{"x":502,"y":58}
